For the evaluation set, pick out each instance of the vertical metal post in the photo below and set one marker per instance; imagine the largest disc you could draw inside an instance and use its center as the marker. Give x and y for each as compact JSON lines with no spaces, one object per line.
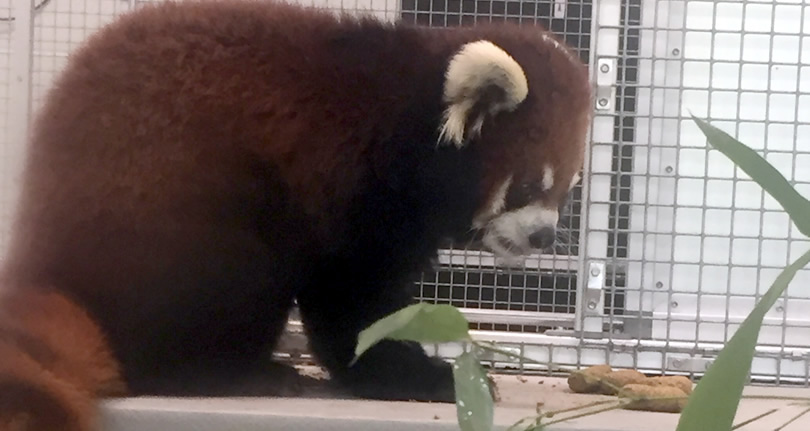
{"x":22,"y":38}
{"x":19,"y":111}
{"x":604,"y":51}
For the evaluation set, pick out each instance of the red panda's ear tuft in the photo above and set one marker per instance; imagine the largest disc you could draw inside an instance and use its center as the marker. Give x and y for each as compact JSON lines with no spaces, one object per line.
{"x":481,"y":79}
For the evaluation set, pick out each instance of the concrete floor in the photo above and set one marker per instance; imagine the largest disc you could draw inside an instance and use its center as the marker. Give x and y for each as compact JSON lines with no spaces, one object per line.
{"x":519,"y":398}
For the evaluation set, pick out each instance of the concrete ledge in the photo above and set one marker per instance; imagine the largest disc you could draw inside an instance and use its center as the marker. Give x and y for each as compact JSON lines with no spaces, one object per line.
{"x":520,"y":396}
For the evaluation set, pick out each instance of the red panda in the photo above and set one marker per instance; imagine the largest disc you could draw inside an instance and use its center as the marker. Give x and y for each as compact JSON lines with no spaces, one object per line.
{"x":199,"y":166}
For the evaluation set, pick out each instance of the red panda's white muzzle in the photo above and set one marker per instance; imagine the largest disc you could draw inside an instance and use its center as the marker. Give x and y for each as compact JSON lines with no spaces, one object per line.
{"x":520,"y":232}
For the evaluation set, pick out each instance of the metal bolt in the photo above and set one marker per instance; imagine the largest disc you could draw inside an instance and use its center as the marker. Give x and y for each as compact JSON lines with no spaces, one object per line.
{"x":780,"y":309}
{"x":659,"y":285}
{"x":604,"y":68}
{"x":595,"y":271}
{"x":674,"y":304}
{"x":677,"y":363}
{"x":676,"y":51}
{"x":591,"y":305}
{"x":668,"y":169}
{"x":603,"y":102}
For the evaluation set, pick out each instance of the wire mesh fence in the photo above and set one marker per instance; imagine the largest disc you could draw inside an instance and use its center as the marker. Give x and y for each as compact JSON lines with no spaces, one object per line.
{"x":667,"y":245}
{"x":541,"y":292}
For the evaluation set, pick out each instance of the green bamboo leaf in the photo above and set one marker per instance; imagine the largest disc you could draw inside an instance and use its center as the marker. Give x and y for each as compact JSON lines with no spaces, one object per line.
{"x":474,"y":404}
{"x":768,"y":177}
{"x":425,"y":323}
{"x":713,"y":404}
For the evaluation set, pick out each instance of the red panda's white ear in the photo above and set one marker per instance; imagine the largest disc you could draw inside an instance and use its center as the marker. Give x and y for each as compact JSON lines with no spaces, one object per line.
{"x":481,"y":79}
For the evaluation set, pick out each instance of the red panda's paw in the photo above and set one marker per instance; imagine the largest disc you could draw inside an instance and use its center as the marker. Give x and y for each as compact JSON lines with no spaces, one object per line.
{"x":27,"y":407}
{"x":439,"y":384}
{"x":434,"y":384}
{"x":401,"y":372}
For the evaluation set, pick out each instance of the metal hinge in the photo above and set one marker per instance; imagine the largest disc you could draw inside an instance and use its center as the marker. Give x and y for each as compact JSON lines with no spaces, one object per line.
{"x":594,"y":298}
{"x":559,"y":8}
{"x":690,"y":365}
{"x":606,"y":85}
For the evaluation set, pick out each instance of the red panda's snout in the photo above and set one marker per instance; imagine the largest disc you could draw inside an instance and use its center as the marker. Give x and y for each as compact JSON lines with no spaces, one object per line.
{"x":543,"y":238}
{"x":521,"y":218}
{"x":521,"y":231}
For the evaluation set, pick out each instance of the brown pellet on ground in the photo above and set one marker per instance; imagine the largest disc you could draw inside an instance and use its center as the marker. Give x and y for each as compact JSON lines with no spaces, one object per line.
{"x":612,"y":382}
{"x":588,"y":380}
{"x":666,"y":399}
{"x":681,"y":382}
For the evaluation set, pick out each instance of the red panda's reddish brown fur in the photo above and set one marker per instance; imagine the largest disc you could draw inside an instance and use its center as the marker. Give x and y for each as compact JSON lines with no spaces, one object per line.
{"x":54,"y":363}
{"x":198,"y":166}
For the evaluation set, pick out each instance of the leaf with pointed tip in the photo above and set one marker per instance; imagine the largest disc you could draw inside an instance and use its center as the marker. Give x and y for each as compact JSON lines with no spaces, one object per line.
{"x":424,"y":323}
{"x":767,"y":176}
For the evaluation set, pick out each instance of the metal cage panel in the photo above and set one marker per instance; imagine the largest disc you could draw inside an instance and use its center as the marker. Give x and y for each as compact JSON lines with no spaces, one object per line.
{"x":703,"y":240}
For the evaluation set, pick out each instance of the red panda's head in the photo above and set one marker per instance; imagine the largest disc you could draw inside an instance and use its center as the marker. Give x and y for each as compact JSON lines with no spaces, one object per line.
{"x":524,"y":101}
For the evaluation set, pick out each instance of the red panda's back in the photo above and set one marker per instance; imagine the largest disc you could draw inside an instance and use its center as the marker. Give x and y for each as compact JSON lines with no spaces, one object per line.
{"x":156,"y":122}
{"x":181,"y":113}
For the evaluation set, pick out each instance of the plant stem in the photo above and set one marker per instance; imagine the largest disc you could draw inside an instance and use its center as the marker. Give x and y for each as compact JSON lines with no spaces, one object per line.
{"x":775,"y":397}
{"x":571,"y":409}
{"x":482,"y":345}
{"x":618,"y":405}
{"x":553,"y":413}
{"x":755,"y":418}
{"x":793,"y":419}
{"x":518,"y":423}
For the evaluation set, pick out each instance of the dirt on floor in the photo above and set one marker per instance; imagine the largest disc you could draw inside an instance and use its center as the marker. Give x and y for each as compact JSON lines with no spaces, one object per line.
{"x":514,"y":391}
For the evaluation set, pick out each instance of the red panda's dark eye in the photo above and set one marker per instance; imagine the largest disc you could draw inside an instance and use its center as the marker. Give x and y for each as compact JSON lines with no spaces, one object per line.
{"x":532,"y":188}
{"x":523,"y":194}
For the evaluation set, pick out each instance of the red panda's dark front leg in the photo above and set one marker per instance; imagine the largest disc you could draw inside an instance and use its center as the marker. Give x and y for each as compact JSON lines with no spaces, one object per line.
{"x":54,"y":364}
{"x":391,"y":370}
{"x":400,"y":371}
